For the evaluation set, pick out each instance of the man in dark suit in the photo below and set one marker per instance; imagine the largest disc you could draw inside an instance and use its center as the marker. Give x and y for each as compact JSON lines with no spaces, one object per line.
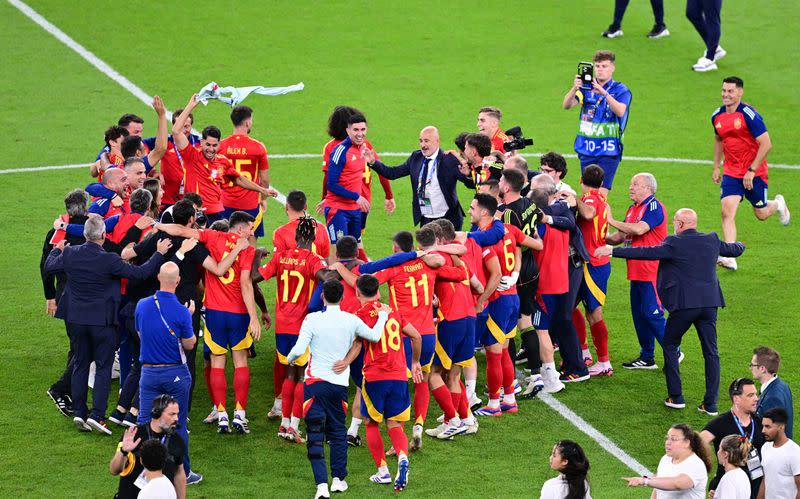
{"x":689,"y":289}
{"x":433,"y":179}
{"x":89,"y":306}
{"x":774,"y":391}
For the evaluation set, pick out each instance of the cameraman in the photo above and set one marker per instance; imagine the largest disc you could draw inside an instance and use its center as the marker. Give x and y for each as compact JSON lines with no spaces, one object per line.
{"x":603,"y":117}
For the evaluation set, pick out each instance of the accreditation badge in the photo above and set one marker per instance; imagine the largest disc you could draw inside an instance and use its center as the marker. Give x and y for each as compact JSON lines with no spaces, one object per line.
{"x":586,"y":127}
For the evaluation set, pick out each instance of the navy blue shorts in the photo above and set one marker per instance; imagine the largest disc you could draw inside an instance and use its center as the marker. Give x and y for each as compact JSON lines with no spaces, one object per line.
{"x":426,"y":357}
{"x":258,"y":225}
{"x":357,"y":368}
{"x":344,"y":223}
{"x":732,"y":186}
{"x":546,"y":308}
{"x":609,"y":165}
{"x":502,"y":321}
{"x":455,"y":342}
{"x":594,"y":285}
{"x":224,"y":330}
{"x":386,"y":399}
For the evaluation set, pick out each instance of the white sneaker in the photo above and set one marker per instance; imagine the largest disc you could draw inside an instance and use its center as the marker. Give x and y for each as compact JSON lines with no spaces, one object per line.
{"x":783,"y":210}
{"x":551,"y":382}
{"x":435,"y":432}
{"x":533,"y":385}
{"x":212,"y":417}
{"x":416,"y":437}
{"x":338,"y":485}
{"x":727,"y":262}
{"x":452,"y":430}
{"x":703,"y":65}
{"x":719,"y":53}
{"x":322,"y":492}
{"x":381,"y":478}
{"x":440,"y":419}
{"x":474,"y":400}
{"x":472,"y":428}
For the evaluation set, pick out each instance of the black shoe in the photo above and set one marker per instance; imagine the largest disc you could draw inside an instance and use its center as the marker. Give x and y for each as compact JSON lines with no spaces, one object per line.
{"x":640,"y":363}
{"x":353,"y":441}
{"x":252,"y":351}
{"x":117,"y":417}
{"x":61,"y":404}
{"x":612,"y":32}
{"x":658,"y":31}
{"x":711,"y":410}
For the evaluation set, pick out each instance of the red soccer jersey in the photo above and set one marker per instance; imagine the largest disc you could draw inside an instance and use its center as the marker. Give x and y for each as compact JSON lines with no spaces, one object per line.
{"x":498,"y":140}
{"x":296,"y":271}
{"x":506,"y":251}
{"x":654,"y":214}
{"x":326,"y":153}
{"x":224,"y":293}
{"x":455,"y":298}
{"x":411,"y":288}
{"x":283,"y":238}
{"x":172,"y":173}
{"x":249,"y":158}
{"x":594,"y":230}
{"x":385,"y":359}
{"x":738,"y":131}
{"x":206,"y":177}
{"x":356,"y":176}
{"x":552,"y":260}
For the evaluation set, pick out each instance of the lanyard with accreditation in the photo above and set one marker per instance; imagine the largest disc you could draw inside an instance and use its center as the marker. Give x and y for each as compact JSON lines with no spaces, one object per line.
{"x":753,"y":458}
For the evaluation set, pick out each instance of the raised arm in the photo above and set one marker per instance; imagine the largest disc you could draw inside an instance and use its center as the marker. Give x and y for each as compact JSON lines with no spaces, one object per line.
{"x":374,"y":333}
{"x":181,"y":141}
{"x":570,"y":99}
{"x":160,"y":148}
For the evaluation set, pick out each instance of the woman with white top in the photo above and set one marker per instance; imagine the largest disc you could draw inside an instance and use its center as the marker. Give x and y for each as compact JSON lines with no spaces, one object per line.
{"x":572,"y":465}
{"x":732,"y":455}
{"x":683,"y":471}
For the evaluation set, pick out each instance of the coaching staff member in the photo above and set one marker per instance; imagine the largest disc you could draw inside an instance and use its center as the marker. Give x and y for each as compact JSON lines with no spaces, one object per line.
{"x":89,"y":306}
{"x":433,"y":179}
{"x":689,"y":289}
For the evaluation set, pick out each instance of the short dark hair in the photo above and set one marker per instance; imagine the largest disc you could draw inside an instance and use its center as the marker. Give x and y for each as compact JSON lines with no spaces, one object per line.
{"x":491,"y":111}
{"x":114,"y":132}
{"x":194,"y":198}
{"x":131,"y":160}
{"x":481,"y":143}
{"x":737,"y":386}
{"x":346,"y":248}
{"x":75,"y":202}
{"x":140,"y":200}
{"x":436,"y":228}
{"x":127,"y":119}
{"x":493,"y":184}
{"x":220,"y":226}
{"x":183,"y":211}
{"x":337,"y":121}
{"x":604,"y":55}
{"x":356,"y":118}
{"x":593,"y":176}
{"x":332,"y":290}
{"x":487,"y":202}
{"x":130,"y":146}
{"x":153,"y":455}
{"x":540,"y":197}
{"x":769,"y":358}
{"x":461,"y":140}
{"x":177,"y":113}
{"x":735,"y":80}
{"x":404,"y":240}
{"x":554,"y":161}
{"x":777,"y":415}
{"x":240,"y":217}
{"x":514,"y":178}
{"x":212,"y":131}
{"x":447,"y":228}
{"x":426,"y":237}
{"x":240,"y":113}
{"x":296,"y":200}
{"x":368,"y":285}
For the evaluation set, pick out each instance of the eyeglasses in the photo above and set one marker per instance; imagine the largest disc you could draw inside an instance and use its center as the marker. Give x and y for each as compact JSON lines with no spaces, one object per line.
{"x":546,"y":170}
{"x":755,"y":365}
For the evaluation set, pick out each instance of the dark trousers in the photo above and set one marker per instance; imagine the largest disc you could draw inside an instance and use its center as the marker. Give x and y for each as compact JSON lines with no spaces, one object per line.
{"x":63,"y":385}
{"x":705,"y":16}
{"x":129,"y":393}
{"x":191,"y":355}
{"x":648,"y":317}
{"x":174,"y":381}
{"x":705,"y":322}
{"x":92,"y":344}
{"x":564,"y":331}
{"x":621,"y":5}
{"x":324,"y":417}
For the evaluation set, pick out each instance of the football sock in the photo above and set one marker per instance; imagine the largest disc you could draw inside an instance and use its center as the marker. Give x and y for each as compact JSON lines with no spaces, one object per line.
{"x":580,"y":326}
{"x":463,"y":403}
{"x":207,"y":376}
{"x":287,"y":394}
{"x":241,"y":386}
{"x":297,"y":403}
{"x":445,"y":401}
{"x":399,"y":440}
{"x":600,"y":338}
{"x":278,"y":375}
{"x":507,"y":366}
{"x":285,"y":422}
{"x":422,"y":398}
{"x":218,"y":388}
{"x":494,"y":373}
{"x":469,"y":388}
{"x":294,"y":422}
{"x":354,"y":424}
{"x":375,"y":443}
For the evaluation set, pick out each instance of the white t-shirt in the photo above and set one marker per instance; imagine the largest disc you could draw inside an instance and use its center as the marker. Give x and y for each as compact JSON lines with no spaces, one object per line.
{"x":781,"y":464}
{"x":735,"y":484}
{"x":556,"y":488}
{"x":158,"y":488}
{"x":693,"y":467}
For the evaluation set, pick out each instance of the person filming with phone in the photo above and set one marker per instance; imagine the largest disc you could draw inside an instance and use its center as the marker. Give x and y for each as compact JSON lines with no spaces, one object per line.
{"x":604,"y":105}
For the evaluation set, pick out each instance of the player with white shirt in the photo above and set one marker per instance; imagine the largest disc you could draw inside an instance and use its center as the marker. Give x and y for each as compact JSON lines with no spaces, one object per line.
{"x":780,"y":457}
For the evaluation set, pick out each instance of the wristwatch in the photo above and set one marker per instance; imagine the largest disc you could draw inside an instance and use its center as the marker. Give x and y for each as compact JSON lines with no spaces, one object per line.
{"x":121,"y":450}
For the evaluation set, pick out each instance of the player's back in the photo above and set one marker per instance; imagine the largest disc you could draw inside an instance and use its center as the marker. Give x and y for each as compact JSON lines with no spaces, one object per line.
{"x":295,"y":273}
{"x":411,"y":291}
{"x":224,"y":293}
{"x":455,"y":298}
{"x":595,"y":230}
{"x":386,"y":358}
{"x":284,"y":238}
{"x":248,"y":157}
{"x":506,"y":249}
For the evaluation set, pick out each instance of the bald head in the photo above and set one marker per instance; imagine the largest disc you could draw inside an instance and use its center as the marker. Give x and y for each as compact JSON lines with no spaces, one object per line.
{"x":685,"y":218}
{"x":429,"y":140}
{"x":169,"y":277}
{"x":115,"y":179}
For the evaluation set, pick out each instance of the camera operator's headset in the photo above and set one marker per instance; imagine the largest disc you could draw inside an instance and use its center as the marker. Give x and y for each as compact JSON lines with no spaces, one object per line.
{"x":160,"y":404}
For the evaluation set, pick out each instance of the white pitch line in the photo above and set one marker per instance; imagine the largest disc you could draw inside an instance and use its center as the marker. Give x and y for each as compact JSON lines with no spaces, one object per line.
{"x":594,"y":434}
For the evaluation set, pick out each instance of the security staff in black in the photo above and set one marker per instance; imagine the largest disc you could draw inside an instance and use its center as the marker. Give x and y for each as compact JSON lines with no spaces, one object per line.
{"x":126,"y":462}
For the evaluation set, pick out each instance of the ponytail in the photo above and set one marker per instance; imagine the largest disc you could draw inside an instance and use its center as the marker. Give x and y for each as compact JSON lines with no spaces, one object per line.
{"x":698,"y":446}
{"x":575,"y":470}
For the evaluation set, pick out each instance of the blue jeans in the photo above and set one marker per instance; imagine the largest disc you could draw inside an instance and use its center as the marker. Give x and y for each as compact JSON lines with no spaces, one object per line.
{"x":174,"y":381}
